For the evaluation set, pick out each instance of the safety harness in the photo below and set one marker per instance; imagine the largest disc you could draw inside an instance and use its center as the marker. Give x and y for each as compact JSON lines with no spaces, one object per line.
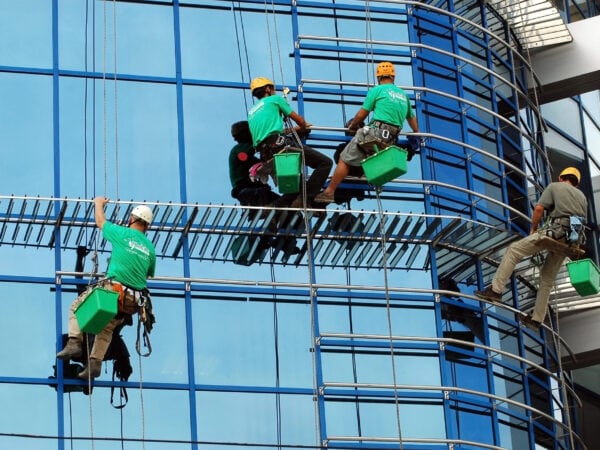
{"x":569,"y":228}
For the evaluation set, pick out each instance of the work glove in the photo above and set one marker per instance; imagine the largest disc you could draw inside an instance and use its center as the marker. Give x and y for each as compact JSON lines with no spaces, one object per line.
{"x":414,"y":145}
{"x":257,"y":173}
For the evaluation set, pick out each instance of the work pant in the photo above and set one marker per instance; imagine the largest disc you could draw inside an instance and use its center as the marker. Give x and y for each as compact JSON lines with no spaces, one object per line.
{"x":103,"y":338}
{"x":321,"y":166}
{"x":319,"y":163}
{"x":363,"y":144}
{"x":516,"y":252}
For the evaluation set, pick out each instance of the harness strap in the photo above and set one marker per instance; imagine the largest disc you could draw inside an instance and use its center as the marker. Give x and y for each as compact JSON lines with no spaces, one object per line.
{"x":122,"y":393}
{"x":145,"y":317}
{"x":392,"y":131}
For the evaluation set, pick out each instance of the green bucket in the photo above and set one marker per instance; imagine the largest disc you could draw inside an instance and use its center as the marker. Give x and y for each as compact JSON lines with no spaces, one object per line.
{"x":385,"y":165}
{"x":585,"y":276}
{"x":287,"y":172}
{"x":96,"y":310}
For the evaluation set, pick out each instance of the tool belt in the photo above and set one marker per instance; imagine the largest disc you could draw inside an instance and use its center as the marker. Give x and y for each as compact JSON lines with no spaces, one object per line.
{"x":566,"y":228}
{"x":271,"y":145}
{"x":388,"y":132}
{"x":129,"y":298}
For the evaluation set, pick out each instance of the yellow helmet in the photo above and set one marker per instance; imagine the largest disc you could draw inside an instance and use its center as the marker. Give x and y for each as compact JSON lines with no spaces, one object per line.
{"x":385,"y":69}
{"x":259,"y":82}
{"x":571,"y":171}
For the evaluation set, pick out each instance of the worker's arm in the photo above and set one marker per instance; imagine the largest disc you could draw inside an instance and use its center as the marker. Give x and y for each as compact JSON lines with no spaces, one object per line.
{"x":299,"y":120}
{"x":359,"y":118}
{"x":414,"y":125}
{"x":99,"y":215}
{"x":536,"y":218}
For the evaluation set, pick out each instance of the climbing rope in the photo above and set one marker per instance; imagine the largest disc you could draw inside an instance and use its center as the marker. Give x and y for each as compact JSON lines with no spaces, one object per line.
{"x":369,"y":51}
{"x":142,"y":415}
{"x":273,"y":13}
{"x":388,"y":311}
{"x":239,"y":49}
{"x":276,"y":351}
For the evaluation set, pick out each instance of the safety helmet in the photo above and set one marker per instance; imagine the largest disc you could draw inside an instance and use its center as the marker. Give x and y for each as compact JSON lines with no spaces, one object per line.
{"x":259,"y":82}
{"x":143,"y":213}
{"x":385,"y":69}
{"x":571,"y":171}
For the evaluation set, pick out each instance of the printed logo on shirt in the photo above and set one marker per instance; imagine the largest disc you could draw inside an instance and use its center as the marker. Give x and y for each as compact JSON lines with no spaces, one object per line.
{"x":138,"y":247}
{"x":397,"y":96}
{"x":255,"y":108}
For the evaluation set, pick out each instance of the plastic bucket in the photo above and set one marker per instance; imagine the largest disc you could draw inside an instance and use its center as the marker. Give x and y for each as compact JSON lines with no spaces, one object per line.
{"x":98,"y":308}
{"x":385,"y":165}
{"x":287,"y":172}
{"x":585,"y":276}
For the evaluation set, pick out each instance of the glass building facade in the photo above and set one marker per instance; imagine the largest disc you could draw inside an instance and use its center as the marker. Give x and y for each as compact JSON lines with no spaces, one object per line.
{"x":370,"y":336}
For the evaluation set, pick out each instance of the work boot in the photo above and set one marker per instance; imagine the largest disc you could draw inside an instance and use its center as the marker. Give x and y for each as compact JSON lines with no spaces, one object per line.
{"x":489,"y":294}
{"x":92,"y":370}
{"x":324,"y":197}
{"x":530,"y":323}
{"x":71,"y":350}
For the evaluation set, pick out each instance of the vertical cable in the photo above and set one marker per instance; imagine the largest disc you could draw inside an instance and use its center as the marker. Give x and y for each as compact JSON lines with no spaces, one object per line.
{"x":388,"y":311}
{"x":116,"y":102}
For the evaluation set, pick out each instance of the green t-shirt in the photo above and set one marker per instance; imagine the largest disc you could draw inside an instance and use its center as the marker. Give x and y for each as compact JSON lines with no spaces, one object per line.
{"x":241,"y":158}
{"x":561,"y":199}
{"x":264,"y":118}
{"x":133,"y":257}
{"x":389,"y":104}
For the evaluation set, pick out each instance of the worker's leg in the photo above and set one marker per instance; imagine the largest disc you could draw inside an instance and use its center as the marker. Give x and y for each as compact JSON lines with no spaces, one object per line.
{"x":547,"y":278}
{"x":73,"y":348}
{"x":352,"y":155}
{"x":321,"y":166}
{"x":514,"y":254}
{"x":102,"y":340}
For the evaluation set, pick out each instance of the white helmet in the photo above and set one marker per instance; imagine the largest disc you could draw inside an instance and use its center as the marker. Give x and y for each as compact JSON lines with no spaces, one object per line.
{"x":144,"y":213}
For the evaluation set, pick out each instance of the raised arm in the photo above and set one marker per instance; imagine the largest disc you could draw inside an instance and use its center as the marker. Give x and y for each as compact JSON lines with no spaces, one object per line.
{"x":99,"y":215}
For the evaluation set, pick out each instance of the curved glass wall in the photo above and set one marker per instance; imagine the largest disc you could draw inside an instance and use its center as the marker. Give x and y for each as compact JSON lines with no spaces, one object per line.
{"x":370,"y":336}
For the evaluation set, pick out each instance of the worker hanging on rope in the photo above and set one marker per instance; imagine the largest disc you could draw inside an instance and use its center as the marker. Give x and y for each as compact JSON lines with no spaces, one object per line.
{"x":269,"y":136}
{"x":132,"y":261}
{"x":567,"y":211}
{"x":250,"y":192}
{"x":390,"y":107}
{"x":256,"y":192}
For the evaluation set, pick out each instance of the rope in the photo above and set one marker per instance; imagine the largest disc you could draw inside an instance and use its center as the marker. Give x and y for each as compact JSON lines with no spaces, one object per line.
{"x":105,"y":101}
{"x":388,"y":310}
{"x":116,"y":103}
{"x":310,"y":267}
{"x":556,"y":341}
{"x":561,"y":372}
{"x":89,"y":387}
{"x":369,"y":52}
{"x":339,"y":63}
{"x":269,"y":39}
{"x":142,"y":415}
{"x":276,"y":350}
{"x":237,"y":37}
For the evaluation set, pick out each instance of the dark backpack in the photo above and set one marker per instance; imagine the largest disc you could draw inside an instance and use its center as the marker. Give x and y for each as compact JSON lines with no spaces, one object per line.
{"x":117,"y":352}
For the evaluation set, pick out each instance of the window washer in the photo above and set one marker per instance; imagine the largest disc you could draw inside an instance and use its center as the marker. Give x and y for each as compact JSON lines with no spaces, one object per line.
{"x":132,"y":261}
{"x":391,"y":107}
{"x":256,"y":192}
{"x":241,"y":159}
{"x":269,"y":136}
{"x":566,"y":206}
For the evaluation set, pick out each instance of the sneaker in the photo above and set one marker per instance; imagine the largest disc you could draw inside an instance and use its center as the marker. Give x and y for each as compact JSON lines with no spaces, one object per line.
{"x":324,"y":198}
{"x":489,"y":294}
{"x":71,"y":350}
{"x":530,"y":323}
{"x":92,"y":370}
